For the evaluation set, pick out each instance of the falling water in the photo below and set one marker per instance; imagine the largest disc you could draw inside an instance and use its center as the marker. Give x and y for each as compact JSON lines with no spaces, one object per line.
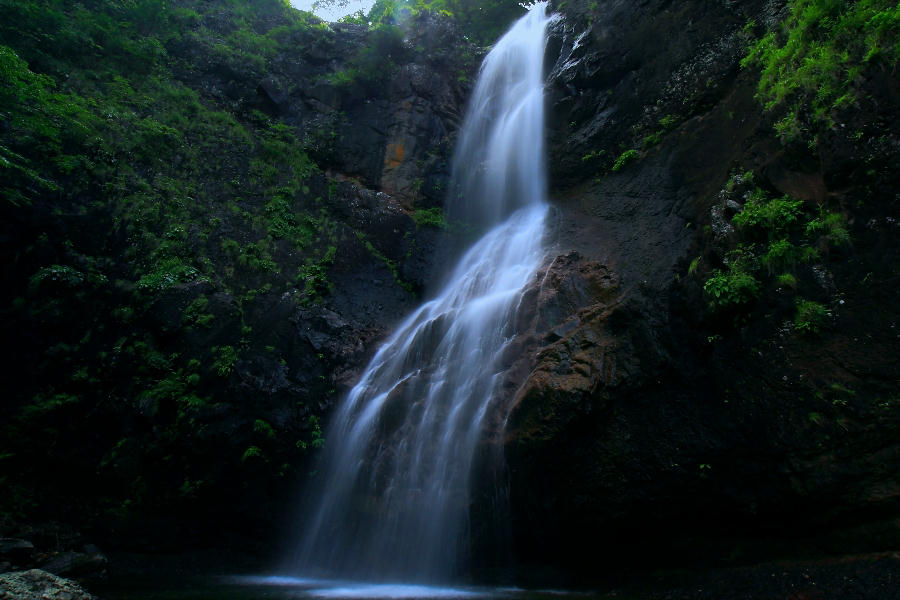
{"x":401,"y":446}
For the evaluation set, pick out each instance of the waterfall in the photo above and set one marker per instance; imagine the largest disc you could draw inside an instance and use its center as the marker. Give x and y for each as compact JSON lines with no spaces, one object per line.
{"x":398,"y":460}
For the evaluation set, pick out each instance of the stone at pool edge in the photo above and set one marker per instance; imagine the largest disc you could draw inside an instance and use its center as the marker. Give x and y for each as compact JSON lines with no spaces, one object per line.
{"x":39,"y":585}
{"x":15,"y":551}
{"x":77,"y":564}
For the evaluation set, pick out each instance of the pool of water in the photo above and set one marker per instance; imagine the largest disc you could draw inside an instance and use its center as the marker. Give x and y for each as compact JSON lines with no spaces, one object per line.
{"x":292,"y":588}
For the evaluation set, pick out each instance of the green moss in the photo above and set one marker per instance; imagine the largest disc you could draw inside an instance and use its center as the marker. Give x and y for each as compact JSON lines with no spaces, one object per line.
{"x":430,"y":217}
{"x":313,"y":274}
{"x":814,"y":62}
{"x":390,"y":264}
{"x":625,"y":158}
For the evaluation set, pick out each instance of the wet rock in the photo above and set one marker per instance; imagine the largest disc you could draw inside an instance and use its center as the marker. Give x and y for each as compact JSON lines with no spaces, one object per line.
{"x":77,"y":564}
{"x":39,"y":585}
{"x":15,"y":550}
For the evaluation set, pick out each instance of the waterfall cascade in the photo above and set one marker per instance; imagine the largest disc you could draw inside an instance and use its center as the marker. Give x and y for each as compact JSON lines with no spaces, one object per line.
{"x":400,"y":450}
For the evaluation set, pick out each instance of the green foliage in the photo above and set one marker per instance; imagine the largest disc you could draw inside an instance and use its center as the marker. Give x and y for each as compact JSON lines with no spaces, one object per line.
{"x":811,"y":316}
{"x":780,"y":235}
{"x":625,"y":158}
{"x":390,"y":264}
{"x":252,"y":453}
{"x":668,"y":122}
{"x":593,"y":155}
{"x":430,"y":217}
{"x":167,"y":273}
{"x":779,"y":255}
{"x":263,"y":429}
{"x":226,"y":357}
{"x":313,"y":274}
{"x":194,"y":313}
{"x":483,"y":21}
{"x":692,"y":268}
{"x":125,"y":173}
{"x":732,"y":288}
{"x":375,"y":62}
{"x":255,"y":257}
{"x":787,"y":280}
{"x":43,"y":406}
{"x":771,"y":216}
{"x":36,"y":120}
{"x":60,"y":274}
{"x":829,"y":229}
{"x":815,"y":62}
{"x":665,"y":124}
{"x":317,"y":440}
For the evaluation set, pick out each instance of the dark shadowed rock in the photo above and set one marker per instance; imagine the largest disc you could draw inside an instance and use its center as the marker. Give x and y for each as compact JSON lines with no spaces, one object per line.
{"x":77,"y":564}
{"x":16,"y":551}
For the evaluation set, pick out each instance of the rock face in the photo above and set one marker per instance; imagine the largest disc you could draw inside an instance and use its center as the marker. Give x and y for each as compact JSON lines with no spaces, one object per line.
{"x":213,"y":390}
{"x":394,"y":133}
{"x":645,"y":428}
{"x":39,"y":585}
{"x":384,"y":142}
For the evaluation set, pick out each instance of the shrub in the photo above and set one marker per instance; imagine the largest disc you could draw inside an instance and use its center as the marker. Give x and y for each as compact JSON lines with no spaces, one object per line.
{"x":829,"y":228}
{"x":779,"y":255}
{"x":226,"y":356}
{"x":769,"y":215}
{"x":732,"y":288}
{"x":811,"y":316}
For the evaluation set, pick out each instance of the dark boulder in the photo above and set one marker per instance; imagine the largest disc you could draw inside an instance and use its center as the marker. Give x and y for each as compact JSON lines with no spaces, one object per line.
{"x":39,"y":585}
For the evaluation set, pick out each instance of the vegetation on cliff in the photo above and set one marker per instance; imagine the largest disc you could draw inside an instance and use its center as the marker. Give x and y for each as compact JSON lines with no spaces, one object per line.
{"x":482,"y":20}
{"x":160,"y":221}
{"x":815,"y":63}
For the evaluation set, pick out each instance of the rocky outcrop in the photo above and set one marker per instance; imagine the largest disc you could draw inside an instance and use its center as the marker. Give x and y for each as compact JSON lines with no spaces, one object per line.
{"x":39,"y":585}
{"x":646,"y":428}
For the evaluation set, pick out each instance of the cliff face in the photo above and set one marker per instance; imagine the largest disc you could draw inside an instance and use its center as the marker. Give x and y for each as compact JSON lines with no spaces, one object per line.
{"x":657,"y":422}
{"x":239,"y":202}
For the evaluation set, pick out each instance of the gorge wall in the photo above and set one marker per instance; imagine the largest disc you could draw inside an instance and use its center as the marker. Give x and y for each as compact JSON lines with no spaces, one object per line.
{"x":187,"y":304}
{"x":255,"y":200}
{"x":654,"y":426}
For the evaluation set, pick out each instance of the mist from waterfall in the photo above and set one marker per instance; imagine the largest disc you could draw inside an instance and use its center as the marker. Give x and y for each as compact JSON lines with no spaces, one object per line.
{"x":398,"y":460}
